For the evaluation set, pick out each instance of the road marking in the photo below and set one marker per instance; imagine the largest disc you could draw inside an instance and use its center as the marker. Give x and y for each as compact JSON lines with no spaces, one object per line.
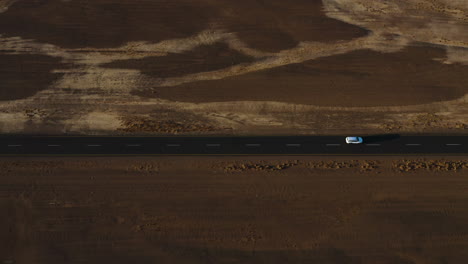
{"x":373,"y":145}
{"x":173,"y":145}
{"x":133,"y":145}
{"x":15,"y":145}
{"x":333,"y":145}
{"x":53,"y":145}
{"x":453,"y":144}
{"x":253,"y":145}
{"x":413,"y":144}
{"x":213,"y":145}
{"x":94,"y":145}
{"x":293,"y":145}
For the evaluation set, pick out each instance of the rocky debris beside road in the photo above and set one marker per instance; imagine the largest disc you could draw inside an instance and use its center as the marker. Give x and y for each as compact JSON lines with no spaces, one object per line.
{"x":259,"y":166}
{"x":36,"y":166}
{"x":146,"y":167}
{"x":362,"y":165}
{"x":34,"y":113}
{"x":425,"y":121}
{"x":165,"y":126}
{"x":430,"y":165}
{"x":333,"y":164}
{"x":368,"y":165}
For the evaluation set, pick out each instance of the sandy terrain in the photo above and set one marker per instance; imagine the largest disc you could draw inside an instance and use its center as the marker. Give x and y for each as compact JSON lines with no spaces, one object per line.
{"x":234,"y":210}
{"x":358,"y":78}
{"x":243,"y":67}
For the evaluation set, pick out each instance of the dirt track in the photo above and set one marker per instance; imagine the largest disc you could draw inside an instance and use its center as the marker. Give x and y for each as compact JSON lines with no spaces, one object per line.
{"x":234,"y":210}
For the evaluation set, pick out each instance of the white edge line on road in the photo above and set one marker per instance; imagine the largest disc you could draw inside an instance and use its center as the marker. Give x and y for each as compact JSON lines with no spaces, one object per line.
{"x":453,"y":144}
{"x":15,"y":145}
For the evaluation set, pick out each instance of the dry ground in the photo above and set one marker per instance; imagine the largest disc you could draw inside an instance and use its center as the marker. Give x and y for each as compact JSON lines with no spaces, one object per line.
{"x":358,"y":210}
{"x":233,"y":67}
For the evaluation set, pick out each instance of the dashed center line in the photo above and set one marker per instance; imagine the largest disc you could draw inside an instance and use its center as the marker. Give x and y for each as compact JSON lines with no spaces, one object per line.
{"x":293,"y":145}
{"x":133,"y":145}
{"x":290,"y":146}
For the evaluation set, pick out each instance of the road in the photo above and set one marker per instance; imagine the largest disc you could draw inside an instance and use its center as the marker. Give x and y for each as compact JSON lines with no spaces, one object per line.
{"x":280,"y":145}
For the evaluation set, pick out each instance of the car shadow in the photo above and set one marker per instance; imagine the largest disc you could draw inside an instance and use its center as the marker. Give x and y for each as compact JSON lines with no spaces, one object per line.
{"x":380,"y":138}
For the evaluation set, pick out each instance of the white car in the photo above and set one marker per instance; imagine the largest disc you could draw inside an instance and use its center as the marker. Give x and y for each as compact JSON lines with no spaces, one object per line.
{"x":354,"y":140}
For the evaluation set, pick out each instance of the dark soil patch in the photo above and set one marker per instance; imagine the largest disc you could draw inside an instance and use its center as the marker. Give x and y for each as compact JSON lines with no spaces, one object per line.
{"x":104,"y":23}
{"x":22,"y":76}
{"x":201,"y":59}
{"x":359,"y":78}
{"x":268,"y":25}
{"x":274,"y":25}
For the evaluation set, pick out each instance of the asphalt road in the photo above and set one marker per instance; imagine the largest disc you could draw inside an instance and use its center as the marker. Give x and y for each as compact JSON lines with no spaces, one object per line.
{"x":285,"y":145}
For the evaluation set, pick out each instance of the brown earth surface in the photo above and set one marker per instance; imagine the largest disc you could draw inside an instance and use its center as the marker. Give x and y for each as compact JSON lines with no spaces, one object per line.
{"x":201,"y":59}
{"x":24,"y":75}
{"x":265,"y":67}
{"x":356,"y":79}
{"x":269,"y":25}
{"x":337,"y":210}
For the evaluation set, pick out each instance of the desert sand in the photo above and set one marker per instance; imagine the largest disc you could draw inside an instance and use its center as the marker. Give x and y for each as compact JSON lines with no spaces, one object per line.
{"x":234,"y":210}
{"x":263,"y":67}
